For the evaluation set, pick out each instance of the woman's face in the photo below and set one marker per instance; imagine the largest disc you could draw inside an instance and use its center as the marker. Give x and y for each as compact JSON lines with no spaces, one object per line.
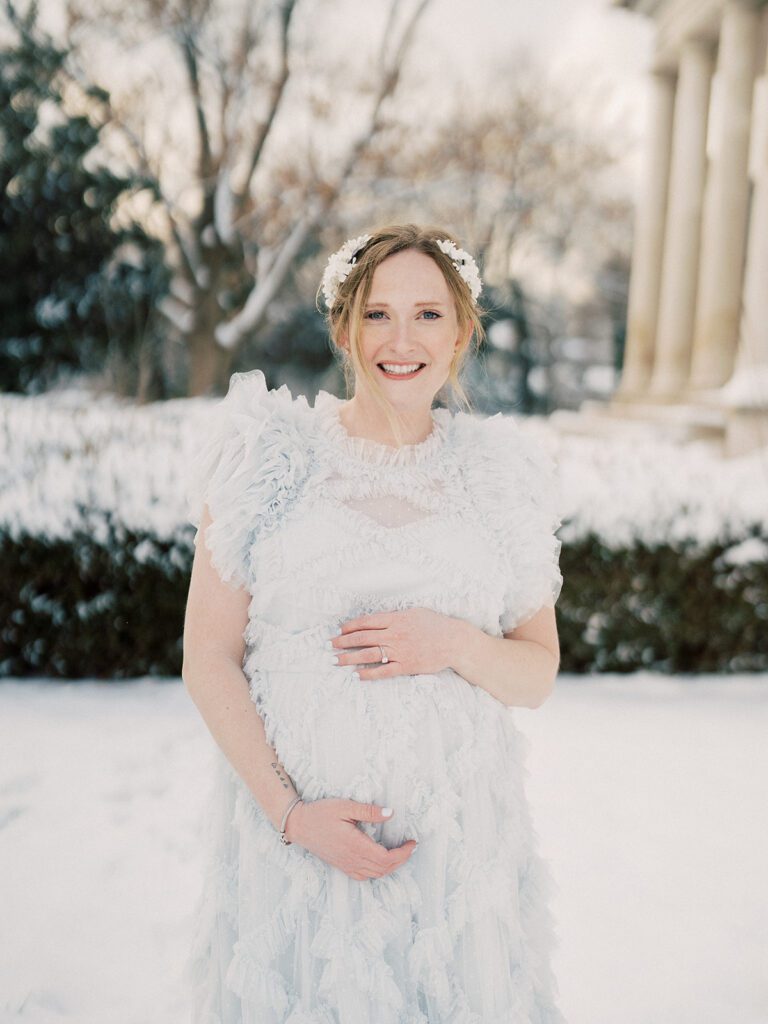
{"x":410,"y":330}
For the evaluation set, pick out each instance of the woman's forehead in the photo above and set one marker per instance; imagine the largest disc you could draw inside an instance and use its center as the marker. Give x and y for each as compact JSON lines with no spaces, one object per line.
{"x":410,"y":272}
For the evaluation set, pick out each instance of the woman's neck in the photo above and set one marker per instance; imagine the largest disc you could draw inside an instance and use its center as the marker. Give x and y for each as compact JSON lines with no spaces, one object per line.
{"x":362,"y":417}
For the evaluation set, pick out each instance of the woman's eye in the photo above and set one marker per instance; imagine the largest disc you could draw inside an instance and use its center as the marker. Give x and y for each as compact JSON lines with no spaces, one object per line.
{"x":379,"y":314}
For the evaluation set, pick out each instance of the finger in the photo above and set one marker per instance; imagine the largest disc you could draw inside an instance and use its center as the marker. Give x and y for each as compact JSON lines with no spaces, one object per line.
{"x":364,"y":656}
{"x":384,"y":858}
{"x":353,"y":810}
{"x":360,"y":637}
{"x":374,"y":854}
{"x":378,"y":869}
{"x":405,"y":849}
{"x":395,"y":865}
{"x":360,"y":876}
{"x":374,"y":620}
{"x":358,"y":870}
{"x":366,"y":864}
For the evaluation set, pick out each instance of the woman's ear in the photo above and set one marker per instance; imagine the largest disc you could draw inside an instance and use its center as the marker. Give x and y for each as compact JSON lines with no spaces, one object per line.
{"x":461,"y":343}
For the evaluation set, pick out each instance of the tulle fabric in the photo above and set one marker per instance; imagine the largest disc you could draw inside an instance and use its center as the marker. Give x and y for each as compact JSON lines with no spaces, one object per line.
{"x":250,"y":467}
{"x":321,"y":526}
{"x":517,"y":488}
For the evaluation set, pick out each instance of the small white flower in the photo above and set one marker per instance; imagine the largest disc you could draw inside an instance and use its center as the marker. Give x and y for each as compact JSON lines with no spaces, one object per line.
{"x":339,"y":266}
{"x":343,"y":260}
{"x":465,"y":265}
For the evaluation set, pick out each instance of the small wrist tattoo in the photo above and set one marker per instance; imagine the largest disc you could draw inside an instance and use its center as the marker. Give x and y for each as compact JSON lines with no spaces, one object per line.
{"x":280,"y":772}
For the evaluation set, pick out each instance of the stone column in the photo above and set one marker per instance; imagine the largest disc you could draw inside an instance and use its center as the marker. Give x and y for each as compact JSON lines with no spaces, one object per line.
{"x":724,"y":230}
{"x":677,"y":301}
{"x":749,"y":383}
{"x":648,"y":246}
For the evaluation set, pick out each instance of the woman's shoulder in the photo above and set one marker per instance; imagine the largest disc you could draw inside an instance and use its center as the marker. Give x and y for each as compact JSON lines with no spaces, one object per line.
{"x":504,"y":454}
{"x":251,"y":465}
{"x":249,"y":396}
{"x":500,"y":435}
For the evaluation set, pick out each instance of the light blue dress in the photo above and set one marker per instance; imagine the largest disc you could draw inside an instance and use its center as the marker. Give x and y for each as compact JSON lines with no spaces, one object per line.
{"x":320,"y":526}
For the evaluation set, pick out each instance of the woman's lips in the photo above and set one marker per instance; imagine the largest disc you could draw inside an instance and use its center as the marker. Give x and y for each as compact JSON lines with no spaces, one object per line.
{"x":400,"y":376}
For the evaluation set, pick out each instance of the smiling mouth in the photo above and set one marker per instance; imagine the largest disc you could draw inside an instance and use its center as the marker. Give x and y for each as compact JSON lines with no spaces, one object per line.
{"x":401,"y":371}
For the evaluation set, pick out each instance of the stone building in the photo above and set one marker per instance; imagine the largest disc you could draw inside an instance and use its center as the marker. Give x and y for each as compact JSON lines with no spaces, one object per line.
{"x":697,"y":334}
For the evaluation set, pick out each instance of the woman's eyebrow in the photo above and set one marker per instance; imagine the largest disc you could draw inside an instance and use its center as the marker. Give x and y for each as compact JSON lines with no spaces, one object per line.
{"x":385,"y":305}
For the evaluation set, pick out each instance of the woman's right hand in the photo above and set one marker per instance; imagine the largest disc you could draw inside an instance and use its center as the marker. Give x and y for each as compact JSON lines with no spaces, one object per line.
{"x":327,"y":828}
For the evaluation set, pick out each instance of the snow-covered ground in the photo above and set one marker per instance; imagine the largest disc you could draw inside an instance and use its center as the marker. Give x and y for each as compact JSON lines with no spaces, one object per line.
{"x":649,"y":796}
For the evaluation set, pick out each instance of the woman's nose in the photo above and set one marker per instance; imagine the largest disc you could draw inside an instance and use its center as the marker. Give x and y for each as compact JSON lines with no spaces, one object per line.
{"x":402,"y":336}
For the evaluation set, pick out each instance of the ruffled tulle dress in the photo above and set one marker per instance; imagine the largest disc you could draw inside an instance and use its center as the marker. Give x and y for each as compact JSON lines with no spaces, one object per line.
{"x":320,"y":526}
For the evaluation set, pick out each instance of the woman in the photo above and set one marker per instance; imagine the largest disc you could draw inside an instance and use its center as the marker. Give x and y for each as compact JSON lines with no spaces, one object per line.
{"x":375,"y":592}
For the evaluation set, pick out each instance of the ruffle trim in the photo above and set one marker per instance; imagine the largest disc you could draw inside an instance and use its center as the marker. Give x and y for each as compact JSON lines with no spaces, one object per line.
{"x":467,"y":591}
{"x":511,"y":887}
{"x":327,"y":408}
{"x":479,"y":884}
{"x":514,"y":482}
{"x":252,"y":465}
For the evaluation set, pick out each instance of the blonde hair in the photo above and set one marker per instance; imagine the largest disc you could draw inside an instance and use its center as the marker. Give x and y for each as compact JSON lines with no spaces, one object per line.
{"x":346,"y":314}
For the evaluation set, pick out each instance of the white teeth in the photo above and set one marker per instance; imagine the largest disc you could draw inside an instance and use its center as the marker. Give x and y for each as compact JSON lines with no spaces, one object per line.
{"x":393,"y":368}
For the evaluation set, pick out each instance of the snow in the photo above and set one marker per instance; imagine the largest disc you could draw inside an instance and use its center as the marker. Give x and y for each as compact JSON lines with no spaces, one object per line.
{"x":747,"y":389}
{"x":648,"y":794}
{"x":223,"y":208}
{"x":65,"y":453}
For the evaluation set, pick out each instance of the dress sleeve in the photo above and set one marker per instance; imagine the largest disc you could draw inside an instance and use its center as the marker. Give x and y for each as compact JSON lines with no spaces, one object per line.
{"x":248,"y":464}
{"x":523,"y":500}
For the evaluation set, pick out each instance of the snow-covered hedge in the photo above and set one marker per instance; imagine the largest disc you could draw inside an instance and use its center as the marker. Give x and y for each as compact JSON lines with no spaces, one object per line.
{"x":665,"y":548}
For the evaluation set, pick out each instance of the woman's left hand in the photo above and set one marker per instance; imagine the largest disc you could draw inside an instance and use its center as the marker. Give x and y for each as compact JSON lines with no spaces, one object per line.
{"x":416,"y":641}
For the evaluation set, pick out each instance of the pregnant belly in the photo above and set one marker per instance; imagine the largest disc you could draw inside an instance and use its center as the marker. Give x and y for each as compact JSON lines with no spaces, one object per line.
{"x":409,"y":742}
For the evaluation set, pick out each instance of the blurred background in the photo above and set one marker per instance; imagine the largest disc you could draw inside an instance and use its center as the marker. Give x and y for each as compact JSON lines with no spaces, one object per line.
{"x":174,"y":176}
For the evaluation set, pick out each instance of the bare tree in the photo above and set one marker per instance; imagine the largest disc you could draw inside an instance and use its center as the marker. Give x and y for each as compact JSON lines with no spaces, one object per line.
{"x":239,"y":211}
{"x":523,"y":171}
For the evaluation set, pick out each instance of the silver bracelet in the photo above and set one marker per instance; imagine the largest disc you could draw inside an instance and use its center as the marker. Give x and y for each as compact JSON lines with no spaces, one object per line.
{"x":289,"y":808}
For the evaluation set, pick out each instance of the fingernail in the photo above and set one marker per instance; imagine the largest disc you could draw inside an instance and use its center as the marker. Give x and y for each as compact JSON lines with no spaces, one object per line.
{"x":335,"y":659}
{"x":329,"y":645}
{"x":387,"y":812}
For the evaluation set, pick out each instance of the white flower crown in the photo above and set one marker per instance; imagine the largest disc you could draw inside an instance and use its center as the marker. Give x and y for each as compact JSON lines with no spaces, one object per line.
{"x":339,"y":266}
{"x":465,"y":265}
{"x":341,"y":262}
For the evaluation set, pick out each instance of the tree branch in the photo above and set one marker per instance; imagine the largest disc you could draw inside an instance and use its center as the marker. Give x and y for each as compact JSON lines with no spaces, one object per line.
{"x":230,"y":334}
{"x":188,"y":47}
{"x":286,"y":11}
{"x":390,"y":77}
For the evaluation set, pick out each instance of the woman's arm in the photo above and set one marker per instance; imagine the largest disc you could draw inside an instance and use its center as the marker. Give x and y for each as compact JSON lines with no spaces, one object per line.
{"x":214,"y":645}
{"x":518,"y":668}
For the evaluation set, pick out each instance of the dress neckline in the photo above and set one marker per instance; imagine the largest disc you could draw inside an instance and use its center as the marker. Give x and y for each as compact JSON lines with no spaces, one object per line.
{"x":328,"y":409}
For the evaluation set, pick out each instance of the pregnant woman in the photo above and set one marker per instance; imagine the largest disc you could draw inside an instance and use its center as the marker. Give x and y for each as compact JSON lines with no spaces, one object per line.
{"x":374,"y":595}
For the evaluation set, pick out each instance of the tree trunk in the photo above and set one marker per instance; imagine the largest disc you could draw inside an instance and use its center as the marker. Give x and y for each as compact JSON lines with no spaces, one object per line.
{"x":209,"y":363}
{"x":151,"y":386}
